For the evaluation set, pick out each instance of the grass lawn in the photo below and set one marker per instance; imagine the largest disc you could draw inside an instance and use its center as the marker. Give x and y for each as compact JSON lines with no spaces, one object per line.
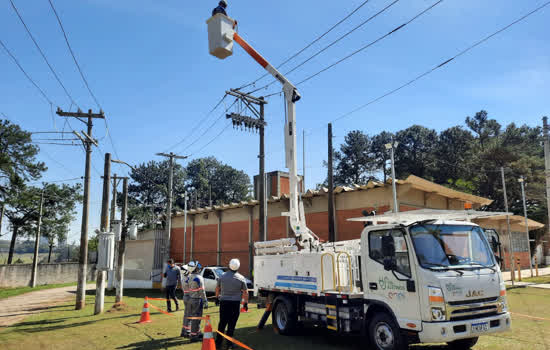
{"x":62,"y":327}
{"x":10,"y":292}
{"x":540,"y":279}
{"x":27,"y":257}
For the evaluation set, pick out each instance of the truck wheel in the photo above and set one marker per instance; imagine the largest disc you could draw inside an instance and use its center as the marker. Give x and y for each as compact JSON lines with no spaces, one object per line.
{"x":385,"y":334}
{"x":284,"y":317}
{"x":463,"y":344}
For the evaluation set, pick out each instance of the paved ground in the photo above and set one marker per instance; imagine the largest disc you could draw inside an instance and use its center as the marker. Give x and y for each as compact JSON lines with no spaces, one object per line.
{"x":526,"y":273}
{"x":15,"y":309}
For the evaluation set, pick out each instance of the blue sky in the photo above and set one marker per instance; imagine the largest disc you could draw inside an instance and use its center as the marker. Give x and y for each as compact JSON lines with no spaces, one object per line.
{"x":148,"y":63}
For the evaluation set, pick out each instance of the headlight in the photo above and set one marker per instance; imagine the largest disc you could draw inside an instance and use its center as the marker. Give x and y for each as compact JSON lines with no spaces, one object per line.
{"x":438,"y":314}
{"x":435,"y":295}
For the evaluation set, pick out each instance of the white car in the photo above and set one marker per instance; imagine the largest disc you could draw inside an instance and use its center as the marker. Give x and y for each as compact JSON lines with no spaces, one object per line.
{"x":211,"y":275}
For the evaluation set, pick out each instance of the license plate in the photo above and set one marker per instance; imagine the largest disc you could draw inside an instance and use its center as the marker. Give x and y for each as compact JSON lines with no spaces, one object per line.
{"x":480,"y":327}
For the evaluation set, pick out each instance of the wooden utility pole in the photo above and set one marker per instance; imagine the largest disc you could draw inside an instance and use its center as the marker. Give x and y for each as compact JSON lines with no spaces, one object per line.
{"x":171,"y":156}
{"x":259,"y":124}
{"x":511,"y":249}
{"x":122,"y":243}
{"x":2,"y":217}
{"x":547,"y":176}
{"x":37,"y":241}
{"x":100,"y":282}
{"x":331,"y":230}
{"x":88,"y":141}
{"x":111,"y":273}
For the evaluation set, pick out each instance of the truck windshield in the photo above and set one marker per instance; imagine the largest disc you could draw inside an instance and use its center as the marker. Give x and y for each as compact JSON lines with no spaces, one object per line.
{"x":451,"y":246}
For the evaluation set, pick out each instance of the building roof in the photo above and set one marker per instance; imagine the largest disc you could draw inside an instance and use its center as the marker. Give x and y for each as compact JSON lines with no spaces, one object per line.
{"x":414,"y":182}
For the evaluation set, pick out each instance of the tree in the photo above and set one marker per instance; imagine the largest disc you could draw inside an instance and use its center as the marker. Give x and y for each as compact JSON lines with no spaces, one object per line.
{"x":484,"y":127}
{"x":209,"y":178}
{"x":149,"y":189}
{"x":415,"y":153}
{"x":380,"y":153}
{"x":17,"y":157}
{"x":355,"y":164}
{"x":453,"y":154}
{"x":59,"y":210}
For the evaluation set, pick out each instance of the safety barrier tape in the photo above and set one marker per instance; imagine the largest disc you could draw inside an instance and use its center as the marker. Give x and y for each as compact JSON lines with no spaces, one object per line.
{"x":233,"y":340}
{"x":159,"y":299}
{"x":161,"y":310}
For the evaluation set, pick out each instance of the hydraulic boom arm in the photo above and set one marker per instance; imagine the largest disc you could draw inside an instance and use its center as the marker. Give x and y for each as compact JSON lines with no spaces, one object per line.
{"x":306,"y":238}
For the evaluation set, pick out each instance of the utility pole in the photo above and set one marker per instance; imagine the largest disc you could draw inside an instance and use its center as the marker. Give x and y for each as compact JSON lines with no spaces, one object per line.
{"x":304,"y":189}
{"x":547,"y":176}
{"x":170,"y":156}
{"x":100,"y":282}
{"x":522,"y":183}
{"x":259,"y":124}
{"x":185,"y":198}
{"x":511,"y":252}
{"x":2,"y":217}
{"x":37,"y":241}
{"x":87,"y":140}
{"x":391,"y":146}
{"x":111,"y":273}
{"x":122,"y":243}
{"x":331,"y":230}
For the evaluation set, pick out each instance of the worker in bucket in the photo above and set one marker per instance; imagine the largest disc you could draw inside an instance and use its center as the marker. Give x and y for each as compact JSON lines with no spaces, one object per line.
{"x":173,"y":276}
{"x":186,"y":329}
{"x":197,"y":300}
{"x":231,"y":290}
{"x":222,"y":5}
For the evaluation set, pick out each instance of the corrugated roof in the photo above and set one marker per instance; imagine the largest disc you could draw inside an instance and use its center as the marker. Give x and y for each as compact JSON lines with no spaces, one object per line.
{"x":414,"y":181}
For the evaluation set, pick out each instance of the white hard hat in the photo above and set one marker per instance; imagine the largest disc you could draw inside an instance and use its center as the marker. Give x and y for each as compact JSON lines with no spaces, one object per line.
{"x":223,"y":2}
{"x":192,"y":266}
{"x":234,"y":264}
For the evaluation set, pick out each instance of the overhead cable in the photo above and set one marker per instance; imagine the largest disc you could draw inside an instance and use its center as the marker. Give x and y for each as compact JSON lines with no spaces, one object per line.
{"x":308,"y":45}
{"x":331,"y":44}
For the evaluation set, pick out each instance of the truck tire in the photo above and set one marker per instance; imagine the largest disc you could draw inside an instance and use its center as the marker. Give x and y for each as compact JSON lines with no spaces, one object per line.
{"x":463,"y":344}
{"x":284,"y":317}
{"x":384,"y":333}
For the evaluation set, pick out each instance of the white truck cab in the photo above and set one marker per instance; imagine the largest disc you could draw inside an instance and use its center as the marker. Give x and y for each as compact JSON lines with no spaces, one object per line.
{"x":432,"y":280}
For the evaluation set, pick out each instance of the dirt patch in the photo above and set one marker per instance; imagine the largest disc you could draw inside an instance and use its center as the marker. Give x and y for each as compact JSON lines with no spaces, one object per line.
{"x":119,"y":307}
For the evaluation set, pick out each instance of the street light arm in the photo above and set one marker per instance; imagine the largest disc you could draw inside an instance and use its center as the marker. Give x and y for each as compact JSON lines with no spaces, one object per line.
{"x":123,"y":162}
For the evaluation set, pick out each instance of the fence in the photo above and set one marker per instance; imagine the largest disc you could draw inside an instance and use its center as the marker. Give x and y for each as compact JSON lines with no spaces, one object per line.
{"x":19,"y":275}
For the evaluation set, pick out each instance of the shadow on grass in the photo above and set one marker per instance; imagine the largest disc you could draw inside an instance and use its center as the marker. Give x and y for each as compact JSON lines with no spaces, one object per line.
{"x":156,"y":344}
{"x":45,"y":325}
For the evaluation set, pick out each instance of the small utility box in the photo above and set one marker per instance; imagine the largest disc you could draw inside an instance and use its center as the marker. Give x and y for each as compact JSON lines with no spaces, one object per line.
{"x":132,"y":230}
{"x":220,"y":35}
{"x":117,"y":228}
{"x":106,"y":251}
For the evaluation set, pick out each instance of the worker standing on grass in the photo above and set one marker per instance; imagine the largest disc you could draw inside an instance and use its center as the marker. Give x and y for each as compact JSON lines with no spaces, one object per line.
{"x":222,"y":5}
{"x":197,"y":300}
{"x":173,"y":276}
{"x":186,"y":329}
{"x":231,"y":289}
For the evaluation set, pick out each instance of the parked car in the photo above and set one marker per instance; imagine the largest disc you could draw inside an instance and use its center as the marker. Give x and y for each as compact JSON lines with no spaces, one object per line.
{"x":211,"y":275}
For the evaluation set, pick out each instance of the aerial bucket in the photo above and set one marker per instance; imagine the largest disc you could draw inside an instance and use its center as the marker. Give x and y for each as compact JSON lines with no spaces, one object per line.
{"x":220,"y":35}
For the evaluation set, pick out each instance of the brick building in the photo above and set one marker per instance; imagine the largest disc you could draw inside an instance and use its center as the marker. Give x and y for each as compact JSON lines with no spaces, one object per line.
{"x":217,"y":234}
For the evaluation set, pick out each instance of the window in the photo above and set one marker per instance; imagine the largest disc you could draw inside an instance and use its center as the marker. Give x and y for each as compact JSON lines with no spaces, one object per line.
{"x":401,"y":250}
{"x":209,"y":274}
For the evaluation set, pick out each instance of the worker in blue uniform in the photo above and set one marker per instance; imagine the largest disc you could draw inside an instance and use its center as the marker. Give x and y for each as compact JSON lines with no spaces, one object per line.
{"x":222,"y":5}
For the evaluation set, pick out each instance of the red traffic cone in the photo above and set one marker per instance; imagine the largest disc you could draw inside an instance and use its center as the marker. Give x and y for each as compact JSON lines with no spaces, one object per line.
{"x":244,"y":306}
{"x":145,"y":317}
{"x":208,"y":342}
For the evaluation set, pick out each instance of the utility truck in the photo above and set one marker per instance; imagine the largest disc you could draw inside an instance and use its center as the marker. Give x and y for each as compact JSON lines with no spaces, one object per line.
{"x":417,"y":277}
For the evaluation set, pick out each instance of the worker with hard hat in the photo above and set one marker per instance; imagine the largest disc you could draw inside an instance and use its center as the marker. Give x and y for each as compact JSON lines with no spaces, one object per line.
{"x":231,"y":290}
{"x":197,"y":300}
{"x":186,"y":329}
{"x":222,"y":5}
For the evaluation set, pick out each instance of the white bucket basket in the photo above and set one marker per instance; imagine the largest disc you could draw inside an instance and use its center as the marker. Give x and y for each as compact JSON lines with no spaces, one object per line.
{"x":220,"y":35}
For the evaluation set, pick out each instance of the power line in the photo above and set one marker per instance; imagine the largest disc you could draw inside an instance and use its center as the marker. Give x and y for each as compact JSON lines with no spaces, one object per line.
{"x":55,"y":143}
{"x":41,"y":52}
{"x":197,"y":125}
{"x":73,"y":55}
{"x":212,"y":140}
{"x":308,"y":45}
{"x":26,"y":74}
{"x":479,"y":42}
{"x":331,"y":44}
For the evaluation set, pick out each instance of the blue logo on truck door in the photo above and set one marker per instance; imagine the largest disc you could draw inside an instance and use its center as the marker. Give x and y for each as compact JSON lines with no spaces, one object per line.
{"x":292,"y":284}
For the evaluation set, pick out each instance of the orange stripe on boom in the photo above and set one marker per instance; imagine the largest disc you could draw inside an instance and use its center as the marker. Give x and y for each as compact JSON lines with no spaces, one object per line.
{"x":255,"y":55}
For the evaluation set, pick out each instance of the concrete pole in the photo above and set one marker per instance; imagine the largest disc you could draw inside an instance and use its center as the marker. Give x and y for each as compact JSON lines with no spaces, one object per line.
{"x":184,"y":227}
{"x":331,"y":230}
{"x":547,"y":176}
{"x":394,"y":180}
{"x":261,"y":185}
{"x":511,"y":249}
{"x":169,"y":208}
{"x":37,"y":241}
{"x":100,"y":282}
{"x":122,"y":244}
{"x":111,"y":273}
{"x":522,"y":181}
